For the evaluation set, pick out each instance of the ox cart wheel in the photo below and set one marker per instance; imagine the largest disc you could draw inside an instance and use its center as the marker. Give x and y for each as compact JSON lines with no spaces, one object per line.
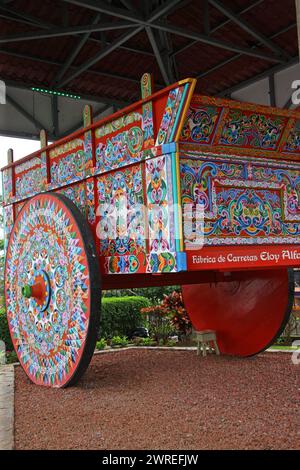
{"x":247,"y":313}
{"x":52,"y":290}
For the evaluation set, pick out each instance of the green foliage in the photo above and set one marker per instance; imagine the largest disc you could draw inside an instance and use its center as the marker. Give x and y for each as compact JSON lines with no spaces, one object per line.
{"x":4,"y":331}
{"x":173,"y":303}
{"x":171,"y":343}
{"x":290,"y":330}
{"x":11,"y":357}
{"x":147,"y":342}
{"x":137,"y":341}
{"x":154,"y":294}
{"x":119,"y":341}
{"x":160,"y":326}
{"x":167,"y":317}
{"x":162,"y":332}
{"x":144,"y":342}
{"x":101,"y":344}
{"x":121,"y":315}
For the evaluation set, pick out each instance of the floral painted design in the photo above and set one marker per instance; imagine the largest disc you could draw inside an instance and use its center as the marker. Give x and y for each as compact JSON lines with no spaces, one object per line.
{"x":121,"y":227}
{"x":49,"y":336}
{"x":243,"y":202}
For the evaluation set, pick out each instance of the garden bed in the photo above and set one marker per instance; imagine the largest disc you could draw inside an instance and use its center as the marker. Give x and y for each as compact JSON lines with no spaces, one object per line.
{"x":141,"y":399}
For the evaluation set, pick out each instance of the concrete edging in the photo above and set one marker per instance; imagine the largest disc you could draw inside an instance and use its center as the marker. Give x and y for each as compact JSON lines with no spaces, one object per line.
{"x":7,"y":392}
{"x":176,"y":348}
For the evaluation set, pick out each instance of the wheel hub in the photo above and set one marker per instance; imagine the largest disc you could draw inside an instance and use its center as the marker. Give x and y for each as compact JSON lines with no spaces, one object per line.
{"x":39,"y":290}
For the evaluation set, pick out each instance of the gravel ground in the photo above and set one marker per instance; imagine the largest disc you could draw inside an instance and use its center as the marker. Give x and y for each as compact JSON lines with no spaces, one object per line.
{"x":150,"y":399}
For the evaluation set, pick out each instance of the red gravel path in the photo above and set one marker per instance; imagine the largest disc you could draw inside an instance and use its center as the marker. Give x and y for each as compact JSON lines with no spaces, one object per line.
{"x":150,"y":399}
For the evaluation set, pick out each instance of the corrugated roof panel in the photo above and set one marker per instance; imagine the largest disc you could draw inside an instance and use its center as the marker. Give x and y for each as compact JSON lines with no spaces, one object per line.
{"x":268,"y":17}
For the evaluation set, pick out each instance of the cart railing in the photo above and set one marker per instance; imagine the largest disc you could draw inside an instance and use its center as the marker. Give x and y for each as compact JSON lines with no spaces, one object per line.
{"x":140,"y":131}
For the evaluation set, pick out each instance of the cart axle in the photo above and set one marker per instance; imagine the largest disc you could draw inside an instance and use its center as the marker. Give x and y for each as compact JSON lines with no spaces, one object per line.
{"x":40,"y":290}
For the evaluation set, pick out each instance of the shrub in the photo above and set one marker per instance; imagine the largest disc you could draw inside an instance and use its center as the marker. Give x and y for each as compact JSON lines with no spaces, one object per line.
{"x":138,"y":341}
{"x":289,"y":331}
{"x":101,"y":344}
{"x":4,"y":331}
{"x":121,"y":315}
{"x":119,"y":341}
{"x":11,"y":357}
{"x":168,"y":316}
{"x":173,"y":303}
{"x":160,"y":326}
{"x":171,"y":343}
{"x":154,"y":294}
{"x":148,"y":342}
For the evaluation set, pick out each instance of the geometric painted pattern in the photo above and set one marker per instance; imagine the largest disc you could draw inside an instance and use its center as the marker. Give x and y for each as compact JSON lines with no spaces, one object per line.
{"x":46,"y":245}
{"x":244,"y":202}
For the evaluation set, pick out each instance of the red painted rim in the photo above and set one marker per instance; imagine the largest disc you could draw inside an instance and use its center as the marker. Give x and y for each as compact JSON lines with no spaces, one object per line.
{"x":247,"y":314}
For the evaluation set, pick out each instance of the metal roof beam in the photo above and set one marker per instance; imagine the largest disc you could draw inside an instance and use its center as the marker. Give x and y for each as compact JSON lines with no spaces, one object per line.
{"x":128,"y":4}
{"x":288,"y":103}
{"x":162,"y":42}
{"x":237,"y":56}
{"x":42,"y":24}
{"x":161,"y":11}
{"x":170,"y":60}
{"x":178,"y":6}
{"x":60,"y":64}
{"x":219,"y":26}
{"x":37,"y":124}
{"x":103,"y":7}
{"x":260,"y":76}
{"x":90,"y":28}
{"x":84,"y":96}
{"x":11,"y":17}
{"x":79,"y":124}
{"x":248,"y":28}
{"x":158,"y":56}
{"x":272,"y":91}
{"x":206,"y":17}
{"x":215,"y":42}
{"x":26,"y":17}
{"x":100,"y":111}
{"x":244,"y":10}
{"x":74,"y":53}
{"x":55,"y":115}
{"x":119,"y":41}
{"x":103,"y":53}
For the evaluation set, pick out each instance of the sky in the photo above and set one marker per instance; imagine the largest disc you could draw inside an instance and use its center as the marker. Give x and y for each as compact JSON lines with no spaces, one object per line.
{"x":21,"y":148}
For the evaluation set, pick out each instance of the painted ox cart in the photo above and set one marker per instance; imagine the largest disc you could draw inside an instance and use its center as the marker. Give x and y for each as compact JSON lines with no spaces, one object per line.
{"x":177,"y":188}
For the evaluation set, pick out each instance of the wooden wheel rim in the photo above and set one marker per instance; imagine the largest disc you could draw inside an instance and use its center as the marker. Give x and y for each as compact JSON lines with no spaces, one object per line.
{"x":248,"y":314}
{"x":55,"y":345}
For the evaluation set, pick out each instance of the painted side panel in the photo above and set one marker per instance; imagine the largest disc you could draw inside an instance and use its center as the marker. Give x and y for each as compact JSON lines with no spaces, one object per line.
{"x":232,"y":127}
{"x":245,"y":202}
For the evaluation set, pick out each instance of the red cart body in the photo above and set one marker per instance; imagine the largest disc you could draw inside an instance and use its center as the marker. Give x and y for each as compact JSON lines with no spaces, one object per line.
{"x":210,"y":188}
